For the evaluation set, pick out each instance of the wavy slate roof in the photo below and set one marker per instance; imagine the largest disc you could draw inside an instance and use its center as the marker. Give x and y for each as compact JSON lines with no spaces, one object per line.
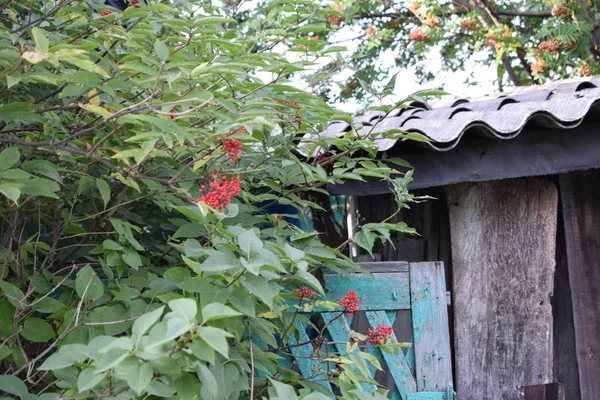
{"x":561,"y":104}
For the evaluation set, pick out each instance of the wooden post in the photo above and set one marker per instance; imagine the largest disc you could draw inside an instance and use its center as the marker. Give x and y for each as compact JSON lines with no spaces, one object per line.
{"x":580,"y":196}
{"x":503,"y":237}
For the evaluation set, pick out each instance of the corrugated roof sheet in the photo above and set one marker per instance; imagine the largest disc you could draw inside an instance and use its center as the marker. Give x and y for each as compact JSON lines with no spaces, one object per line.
{"x":561,"y":104}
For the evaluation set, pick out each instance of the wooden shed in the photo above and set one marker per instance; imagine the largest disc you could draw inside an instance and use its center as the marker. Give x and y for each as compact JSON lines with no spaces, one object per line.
{"x":515,"y":220}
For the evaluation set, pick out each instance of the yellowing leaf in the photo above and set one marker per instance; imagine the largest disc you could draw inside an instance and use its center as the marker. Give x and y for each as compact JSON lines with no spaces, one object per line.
{"x":339,"y":360}
{"x":34,"y":57}
{"x":200,"y":163}
{"x":94,"y":98}
{"x":267,"y":315}
{"x":95,"y":109}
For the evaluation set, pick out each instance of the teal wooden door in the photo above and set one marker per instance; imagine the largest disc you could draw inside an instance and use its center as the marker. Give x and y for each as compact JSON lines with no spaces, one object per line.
{"x":423,"y":371}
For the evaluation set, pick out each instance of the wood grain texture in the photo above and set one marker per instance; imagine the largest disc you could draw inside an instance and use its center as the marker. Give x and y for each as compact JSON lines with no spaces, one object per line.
{"x":503,"y":247}
{"x":580,"y":195}
{"x":430,"y":327}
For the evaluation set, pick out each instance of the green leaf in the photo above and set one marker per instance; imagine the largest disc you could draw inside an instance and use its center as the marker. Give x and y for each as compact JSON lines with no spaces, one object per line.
{"x":41,"y":41}
{"x":215,"y":338}
{"x":365,"y":239}
{"x":208,"y":379}
{"x":132,"y":258}
{"x":10,"y":191}
{"x":17,"y":112}
{"x":13,"y":385}
{"x":159,"y":389}
{"x":139,"y":376}
{"x":212,"y":20}
{"x":104,"y":189}
{"x":66,"y":356}
{"x":111,"y":358}
{"x":145,"y":322}
{"x":215,"y":311}
{"x":86,"y":65}
{"x":261,"y":289}
{"x":13,"y":293}
{"x":161,"y":50}
{"x":219,"y":261}
{"x":189,"y":231}
{"x":284,"y":391}
{"x":249,"y":242}
{"x":177,"y":274}
{"x":37,"y":330}
{"x":88,"y":285}
{"x":88,"y":379}
{"x":9,"y":156}
{"x":186,"y":308}
{"x":48,"y":305}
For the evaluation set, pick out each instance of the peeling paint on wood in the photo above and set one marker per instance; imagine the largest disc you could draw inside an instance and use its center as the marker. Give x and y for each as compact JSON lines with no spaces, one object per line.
{"x":430,"y":327}
{"x":381,"y":291}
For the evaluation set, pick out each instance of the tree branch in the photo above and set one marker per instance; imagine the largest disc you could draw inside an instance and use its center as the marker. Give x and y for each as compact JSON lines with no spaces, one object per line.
{"x":530,"y":14}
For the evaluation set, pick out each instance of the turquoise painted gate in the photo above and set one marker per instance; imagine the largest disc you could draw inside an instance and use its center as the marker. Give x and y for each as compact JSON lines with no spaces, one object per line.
{"x":423,"y":371}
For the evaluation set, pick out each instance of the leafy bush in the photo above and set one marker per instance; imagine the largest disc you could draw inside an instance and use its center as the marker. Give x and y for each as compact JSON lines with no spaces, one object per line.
{"x":141,"y":152}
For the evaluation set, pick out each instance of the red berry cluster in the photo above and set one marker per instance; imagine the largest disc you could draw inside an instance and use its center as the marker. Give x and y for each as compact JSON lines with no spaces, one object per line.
{"x":242,"y":129}
{"x":172,"y":113}
{"x":232,"y":147}
{"x":297,"y":117}
{"x":218,"y":194}
{"x":350,"y":303}
{"x":468,"y":24}
{"x":381,"y":335}
{"x":104,"y":13}
{"x":585,"y":70}
{"x":550,"y":46}
{"x":305,"y":292}
{"x":335,"y":21}
{"x":418,"y":35}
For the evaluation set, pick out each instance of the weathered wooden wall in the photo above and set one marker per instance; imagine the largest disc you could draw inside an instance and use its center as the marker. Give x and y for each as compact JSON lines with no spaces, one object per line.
{"x":580,"y":195}
{"x":503,"y":237}
{"x":565,"y":356}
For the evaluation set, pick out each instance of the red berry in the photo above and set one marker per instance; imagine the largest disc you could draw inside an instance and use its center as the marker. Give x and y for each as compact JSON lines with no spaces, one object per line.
{"x":104,"y":13}
{"x":305,"y":292}
{"x":218,"y":194}
{"x":381,"y":335}
{"x":232,"y":148}
{"x":350,"y":303}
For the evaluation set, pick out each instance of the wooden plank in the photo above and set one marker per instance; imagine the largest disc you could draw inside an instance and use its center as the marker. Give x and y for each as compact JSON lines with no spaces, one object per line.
{"x":339,"y":331}
{"x":565,"y":355}
{"x":580,"y":197}
{"x":427,"y":396}
{"x":433,"y":363}
{"x":381,"y":291}
{"x":385,"y":266}
{"x":550,"y":391}
{"x":399,"y":368}
{"x":308,"y":367}
{"x":503,"y":247}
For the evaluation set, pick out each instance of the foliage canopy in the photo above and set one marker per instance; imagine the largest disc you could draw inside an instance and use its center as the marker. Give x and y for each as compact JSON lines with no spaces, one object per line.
{"x":141,"y":155}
